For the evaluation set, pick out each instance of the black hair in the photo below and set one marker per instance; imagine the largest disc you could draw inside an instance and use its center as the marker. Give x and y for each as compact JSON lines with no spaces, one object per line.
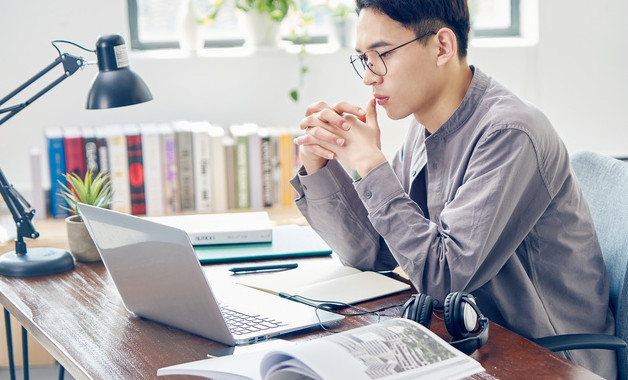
{"x":424,"y":16}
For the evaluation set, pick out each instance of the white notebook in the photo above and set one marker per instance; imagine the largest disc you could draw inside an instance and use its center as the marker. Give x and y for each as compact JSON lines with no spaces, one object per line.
{"x":222,"y":228}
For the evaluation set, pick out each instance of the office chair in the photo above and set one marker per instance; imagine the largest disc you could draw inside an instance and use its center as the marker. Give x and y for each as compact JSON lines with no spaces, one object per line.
{"x":604,"y":182}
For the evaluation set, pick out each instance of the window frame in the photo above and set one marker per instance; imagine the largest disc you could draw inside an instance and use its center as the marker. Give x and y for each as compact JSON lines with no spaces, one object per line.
{"x":512,"y":31}
{"x":136,"y":44}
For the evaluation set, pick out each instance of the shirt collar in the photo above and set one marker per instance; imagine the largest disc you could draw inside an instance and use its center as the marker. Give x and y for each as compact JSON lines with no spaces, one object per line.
{"x":469,"y":104}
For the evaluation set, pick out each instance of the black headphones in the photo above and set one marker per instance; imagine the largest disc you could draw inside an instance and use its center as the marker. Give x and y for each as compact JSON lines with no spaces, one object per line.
{"x":463,"y":318}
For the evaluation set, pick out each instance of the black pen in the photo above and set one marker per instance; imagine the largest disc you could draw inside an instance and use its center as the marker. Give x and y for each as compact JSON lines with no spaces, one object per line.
{"x":260,"y":268}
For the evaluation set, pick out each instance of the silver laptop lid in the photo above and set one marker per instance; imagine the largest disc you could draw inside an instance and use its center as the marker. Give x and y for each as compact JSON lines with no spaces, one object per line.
{"x":158,"y":275}
{"x":154,"y":272}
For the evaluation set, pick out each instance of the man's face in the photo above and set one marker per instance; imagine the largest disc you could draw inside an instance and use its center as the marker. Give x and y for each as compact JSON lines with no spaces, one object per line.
{"x":410,"y":82}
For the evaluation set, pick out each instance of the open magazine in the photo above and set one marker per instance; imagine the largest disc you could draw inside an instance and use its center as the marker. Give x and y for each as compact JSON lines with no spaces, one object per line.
{"x":394,"y":349}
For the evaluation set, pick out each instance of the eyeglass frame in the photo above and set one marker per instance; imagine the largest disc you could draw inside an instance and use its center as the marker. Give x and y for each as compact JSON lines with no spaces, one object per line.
{"x":355,"y":57}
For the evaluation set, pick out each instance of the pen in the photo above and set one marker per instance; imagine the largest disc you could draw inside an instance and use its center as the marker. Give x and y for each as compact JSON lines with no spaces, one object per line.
{"x":259,"y":268}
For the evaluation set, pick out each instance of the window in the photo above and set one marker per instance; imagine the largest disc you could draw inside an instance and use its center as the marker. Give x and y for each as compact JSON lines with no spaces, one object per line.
{"x":154,"y":24}
{"x":494,"y":18}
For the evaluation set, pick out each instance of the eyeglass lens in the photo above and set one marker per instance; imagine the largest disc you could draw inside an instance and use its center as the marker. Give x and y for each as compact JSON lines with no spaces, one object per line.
{"x":370,"y":59}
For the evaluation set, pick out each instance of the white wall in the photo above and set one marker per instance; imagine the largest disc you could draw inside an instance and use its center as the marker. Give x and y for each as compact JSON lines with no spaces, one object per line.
{"x":576,"y":73}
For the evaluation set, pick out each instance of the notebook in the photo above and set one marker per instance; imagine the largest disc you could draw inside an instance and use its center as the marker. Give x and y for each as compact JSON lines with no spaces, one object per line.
{"x":288,"y":241}
{"x":158,"y":276}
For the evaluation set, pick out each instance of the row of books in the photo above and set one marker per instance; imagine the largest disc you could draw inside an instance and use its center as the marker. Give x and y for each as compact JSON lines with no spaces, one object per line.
{"x":178,"y":167}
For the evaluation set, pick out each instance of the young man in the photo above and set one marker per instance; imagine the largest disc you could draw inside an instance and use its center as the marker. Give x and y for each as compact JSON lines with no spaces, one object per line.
{"x":480,"y":197}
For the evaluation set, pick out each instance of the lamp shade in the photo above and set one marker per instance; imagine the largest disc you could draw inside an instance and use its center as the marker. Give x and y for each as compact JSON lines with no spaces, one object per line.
{"x":115,"y":85}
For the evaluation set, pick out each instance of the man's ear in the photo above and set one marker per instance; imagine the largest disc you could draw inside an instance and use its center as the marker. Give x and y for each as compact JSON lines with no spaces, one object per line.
{"x":447,"y":46}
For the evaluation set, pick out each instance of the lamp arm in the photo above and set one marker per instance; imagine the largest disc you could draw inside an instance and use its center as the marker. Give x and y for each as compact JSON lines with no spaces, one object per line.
{"x":71,"y":64}
{"x":22,"y":213}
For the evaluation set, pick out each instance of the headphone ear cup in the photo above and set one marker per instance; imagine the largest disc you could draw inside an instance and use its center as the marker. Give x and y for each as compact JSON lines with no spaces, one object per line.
{"x":425,"y":306}
{"x":419,"y":309}
{"x":452,"y":315}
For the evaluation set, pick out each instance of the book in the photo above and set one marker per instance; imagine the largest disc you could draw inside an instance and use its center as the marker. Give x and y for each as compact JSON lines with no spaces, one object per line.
{"x":185,"y":164}
{"x":172,"y":196}
{"x":118,"y":169}
{"x":74,"y":151}
{"x":56,"y":164}
{"x":288,"y":241}
{"x":202,"y":166}
{"x":218,"y":169}
{"x":228,"y":145}
{"x":240,"y":134}
{"x":153,"y":169}
{"x":328,"y":283}
{"x":256,"y":173}
{"x":136,"y":170}
{"x":286,"y":163}
{"x":103,"y":151}
{"x":396,"y":348}
{"x":91,"y":150}
{"x":226,"y":228}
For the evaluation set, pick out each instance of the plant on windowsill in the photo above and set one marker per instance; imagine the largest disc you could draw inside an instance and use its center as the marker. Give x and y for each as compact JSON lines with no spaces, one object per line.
{"x":94,"y":190}
{"x":263,"y":18}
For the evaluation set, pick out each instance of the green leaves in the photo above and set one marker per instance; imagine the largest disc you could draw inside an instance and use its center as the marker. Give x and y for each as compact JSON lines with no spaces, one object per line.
{"x":92,"y":190}
{"x":277,"y":9}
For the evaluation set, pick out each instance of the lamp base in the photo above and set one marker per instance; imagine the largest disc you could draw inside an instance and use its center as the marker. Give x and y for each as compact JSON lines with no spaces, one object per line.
{"x":36,"y":262}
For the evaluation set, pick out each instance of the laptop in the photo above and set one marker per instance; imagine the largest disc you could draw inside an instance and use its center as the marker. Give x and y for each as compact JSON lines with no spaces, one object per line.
{"x":159,"y":277}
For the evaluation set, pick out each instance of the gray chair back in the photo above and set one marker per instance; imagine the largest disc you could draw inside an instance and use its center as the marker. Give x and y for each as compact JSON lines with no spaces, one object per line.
{"x":604,"y":182}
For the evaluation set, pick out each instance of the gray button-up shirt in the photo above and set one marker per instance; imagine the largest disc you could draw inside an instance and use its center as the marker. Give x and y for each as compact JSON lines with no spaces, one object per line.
{"x":506,"y":219}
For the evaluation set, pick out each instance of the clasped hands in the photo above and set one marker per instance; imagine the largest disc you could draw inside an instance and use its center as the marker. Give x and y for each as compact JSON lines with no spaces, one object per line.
{"x":345,"y":132}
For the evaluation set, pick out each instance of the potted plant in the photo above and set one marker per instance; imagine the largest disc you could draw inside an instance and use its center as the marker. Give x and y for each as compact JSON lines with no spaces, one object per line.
{"x":263,"y":17}
{"x":93,"y":190}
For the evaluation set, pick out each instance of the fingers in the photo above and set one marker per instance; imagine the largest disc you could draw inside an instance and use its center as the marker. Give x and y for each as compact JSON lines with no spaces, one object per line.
{"x":320,"y":136}
{"x":316,"y":107}
{"x":347,"y":108}
{"x":371,"y":112}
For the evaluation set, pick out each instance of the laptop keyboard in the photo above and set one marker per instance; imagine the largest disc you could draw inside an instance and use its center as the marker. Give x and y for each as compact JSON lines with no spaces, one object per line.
{"x":240,"y":323}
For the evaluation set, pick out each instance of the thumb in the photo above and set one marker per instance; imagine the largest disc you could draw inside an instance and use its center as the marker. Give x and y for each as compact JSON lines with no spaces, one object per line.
{"x":371,"y":112}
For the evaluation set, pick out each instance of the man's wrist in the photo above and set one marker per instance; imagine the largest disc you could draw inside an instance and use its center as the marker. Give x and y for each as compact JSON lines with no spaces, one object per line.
{"x":365,"y":167}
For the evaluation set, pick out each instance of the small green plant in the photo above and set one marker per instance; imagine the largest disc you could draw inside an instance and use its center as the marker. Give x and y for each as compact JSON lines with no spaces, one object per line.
{"x":276,"y":9}
{"x":92,"y":190}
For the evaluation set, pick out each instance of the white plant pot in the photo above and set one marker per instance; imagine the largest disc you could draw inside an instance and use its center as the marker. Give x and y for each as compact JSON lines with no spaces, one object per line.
{"x":190,"y":39}
{"x":262,"y":30}
{"x":81,"y":244}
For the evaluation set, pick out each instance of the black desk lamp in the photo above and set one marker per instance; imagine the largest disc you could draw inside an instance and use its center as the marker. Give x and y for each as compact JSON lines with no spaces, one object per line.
{"x":114,"y":86}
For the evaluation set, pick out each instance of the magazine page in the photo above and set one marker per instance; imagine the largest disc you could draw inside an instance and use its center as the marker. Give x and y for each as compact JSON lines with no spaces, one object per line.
{"x":394,"y":349}
{"x":231,"y":363}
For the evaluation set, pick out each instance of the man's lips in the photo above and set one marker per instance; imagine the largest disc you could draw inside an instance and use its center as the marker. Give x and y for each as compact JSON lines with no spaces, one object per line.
{"x":381,"y":100}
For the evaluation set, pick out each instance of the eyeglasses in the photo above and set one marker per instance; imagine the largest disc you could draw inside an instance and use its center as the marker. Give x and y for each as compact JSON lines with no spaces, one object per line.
{"x":375,"y":61}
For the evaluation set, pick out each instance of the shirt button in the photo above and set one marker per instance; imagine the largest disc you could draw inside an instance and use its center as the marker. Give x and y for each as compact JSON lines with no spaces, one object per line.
{"x":368,"y":195}
{"x":413,"y":173}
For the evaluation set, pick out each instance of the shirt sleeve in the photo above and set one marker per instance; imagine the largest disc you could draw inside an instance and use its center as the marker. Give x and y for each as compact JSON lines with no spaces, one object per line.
{"x":332,"y":207}
{"x":498,"y":202}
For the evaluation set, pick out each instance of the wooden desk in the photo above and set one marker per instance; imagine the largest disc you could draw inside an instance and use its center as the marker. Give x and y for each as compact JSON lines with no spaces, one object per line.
{"x":79,"y":318}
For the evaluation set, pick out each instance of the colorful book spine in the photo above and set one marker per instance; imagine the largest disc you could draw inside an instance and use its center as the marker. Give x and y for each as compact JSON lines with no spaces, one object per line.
{"x":218,"y":169}
{"x":90,"y":149}
{"x":240,"y":133}
{"x":172,"y":196}
{"x":256,"y":175}
{"x":103,"y":150}
{"x":230,"y":167}
{"x":74,"y":152}
{"x":268,"y":186}
{"x":185,"y":165}
{"x":136,"y":171}
{"x":202,"y":169}
{"x":56,"y":163}
{"x":153,"y":170}
{"x":286,"y":161}
{"x":119,"y":169}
